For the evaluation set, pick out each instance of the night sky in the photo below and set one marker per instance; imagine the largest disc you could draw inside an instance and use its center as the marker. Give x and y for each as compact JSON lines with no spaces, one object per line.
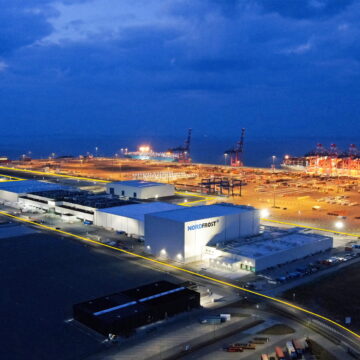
{"x":156,"y":67}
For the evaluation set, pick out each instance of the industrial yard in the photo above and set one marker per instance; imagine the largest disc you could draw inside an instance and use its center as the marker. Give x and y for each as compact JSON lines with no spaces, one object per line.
{"x":220,"y":220}
{"x":301,"y":198}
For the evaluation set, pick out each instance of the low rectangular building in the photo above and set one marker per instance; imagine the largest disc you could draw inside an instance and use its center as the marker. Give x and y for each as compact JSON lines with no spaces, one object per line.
{"x":121,"y":313}
{"x":10,"y":191}
{"x":182,"y":234}
{"x":139,"y":189}
{"x":271,"y":249}
{"x":130,"y":218}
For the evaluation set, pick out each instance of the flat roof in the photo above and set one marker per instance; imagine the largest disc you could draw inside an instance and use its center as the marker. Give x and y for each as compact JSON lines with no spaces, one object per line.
{"x":138,"y":183}
{"x":268,"y":244}
{"x":29,"y":186}
{"x":186,"y":214}
{"x":124,"y":302}
{"x":138,"y":211}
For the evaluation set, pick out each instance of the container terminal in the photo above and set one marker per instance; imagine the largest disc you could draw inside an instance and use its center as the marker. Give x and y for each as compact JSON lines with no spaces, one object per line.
{"x":327,"y":162}
{"x":210,"y":219}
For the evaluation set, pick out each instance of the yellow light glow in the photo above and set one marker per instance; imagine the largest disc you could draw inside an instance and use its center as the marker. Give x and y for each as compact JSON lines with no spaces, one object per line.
{"x":264,"y":213}
{"x":144,"y":148}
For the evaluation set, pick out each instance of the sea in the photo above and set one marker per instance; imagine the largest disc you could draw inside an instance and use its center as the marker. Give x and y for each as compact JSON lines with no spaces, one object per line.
{"x":258,"y":151}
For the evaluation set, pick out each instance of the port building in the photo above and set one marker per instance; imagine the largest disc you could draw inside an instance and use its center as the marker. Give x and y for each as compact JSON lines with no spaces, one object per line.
{"x":131,"y":218}
{"x":272,"y":248}
{"x":123,"y":312}
{"x":182,"y":234}
{"x":139,"y":189}
{"x":10,"y":191}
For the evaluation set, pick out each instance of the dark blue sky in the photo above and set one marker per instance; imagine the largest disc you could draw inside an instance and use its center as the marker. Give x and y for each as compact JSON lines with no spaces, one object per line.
{"x":90,"y":67}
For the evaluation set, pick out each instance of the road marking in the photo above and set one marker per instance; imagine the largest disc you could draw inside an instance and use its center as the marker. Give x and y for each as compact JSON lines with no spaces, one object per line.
{"x":56,"y":175}
{"x":185,"y":271}
{"x":310,"y":227}
{"x":12,"y":178}
{"x":189,"y":203}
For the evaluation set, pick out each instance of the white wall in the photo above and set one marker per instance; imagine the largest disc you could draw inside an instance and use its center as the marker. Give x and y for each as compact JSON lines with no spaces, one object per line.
{"x":119,"y":223}
{"x":275,"y":258}
{"x":79,"y":214}
{"x":8,"y":196}
{"x":161,"y":233}
{"x":33,"y":203}
{"x":148,"y":192}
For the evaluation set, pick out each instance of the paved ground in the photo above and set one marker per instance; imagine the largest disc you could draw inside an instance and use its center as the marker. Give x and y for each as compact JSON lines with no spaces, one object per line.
{"x":42,"y":276}
{"x":216,"y":352}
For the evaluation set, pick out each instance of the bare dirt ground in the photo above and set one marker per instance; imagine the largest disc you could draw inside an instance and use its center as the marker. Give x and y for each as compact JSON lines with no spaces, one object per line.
{"x":336,"y":295}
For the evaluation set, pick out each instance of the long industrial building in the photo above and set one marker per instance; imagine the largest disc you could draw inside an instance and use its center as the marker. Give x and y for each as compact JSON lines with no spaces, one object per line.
{"x":121,"y":313}
{"x":182,"y":234}
{"x":131,"y":218}
{"x":225,"y":236}
{"x":140,"y":189}
{"x":272,"y":248}
{"x":10,"y":191}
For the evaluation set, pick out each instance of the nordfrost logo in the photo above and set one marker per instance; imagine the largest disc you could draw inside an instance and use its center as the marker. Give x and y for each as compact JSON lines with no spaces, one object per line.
{"x":203,"y":225}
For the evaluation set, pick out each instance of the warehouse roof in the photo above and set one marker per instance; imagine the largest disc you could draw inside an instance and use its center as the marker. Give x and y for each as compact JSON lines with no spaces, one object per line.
{"x":29,"y":186}
{"x":138,"y":183}
{"x":138,"y":211}
{"x":266,"y":245}
{"x":203,"y":212}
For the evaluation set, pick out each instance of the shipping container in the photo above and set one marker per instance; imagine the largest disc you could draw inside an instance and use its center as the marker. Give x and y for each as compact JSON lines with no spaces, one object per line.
{"x":234,"y":349}
{"x":279,"y":353}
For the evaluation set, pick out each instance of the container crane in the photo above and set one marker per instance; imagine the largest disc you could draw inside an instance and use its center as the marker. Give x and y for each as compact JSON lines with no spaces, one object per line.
{"x":237,"y":152}
{"x":183,"y":151}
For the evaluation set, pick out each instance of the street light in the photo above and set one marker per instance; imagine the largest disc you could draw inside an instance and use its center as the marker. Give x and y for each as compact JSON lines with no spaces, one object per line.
{"x":273,"y":162}
{"x":339,"y":224}
{"x":264,"y":213}
{"x":225,"y":158}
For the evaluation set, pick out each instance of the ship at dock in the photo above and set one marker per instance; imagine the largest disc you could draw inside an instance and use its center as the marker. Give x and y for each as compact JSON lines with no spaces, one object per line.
{"x":326,"y":162}
{"x":179,"y":154}
{"x":145,"y":152}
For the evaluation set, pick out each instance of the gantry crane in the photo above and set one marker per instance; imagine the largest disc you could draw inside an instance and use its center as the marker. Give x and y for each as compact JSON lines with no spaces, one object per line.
{"x":236,"y":153}
{"x":183,"y":151}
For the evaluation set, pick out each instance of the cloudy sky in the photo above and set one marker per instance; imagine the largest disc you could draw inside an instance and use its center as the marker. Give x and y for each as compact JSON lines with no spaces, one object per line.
{"x":275,"y":67}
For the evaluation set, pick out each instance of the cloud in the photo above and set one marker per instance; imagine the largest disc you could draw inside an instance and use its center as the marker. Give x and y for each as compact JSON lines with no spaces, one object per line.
{"x":162,"y":63}
{"x":299,"y":49}
{"x":305,"y":9}
{"x":23,"y":23}
{"x":3,"y":66}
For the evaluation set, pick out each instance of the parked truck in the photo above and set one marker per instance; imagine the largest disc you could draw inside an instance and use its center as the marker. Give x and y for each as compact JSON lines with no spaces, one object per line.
{"x":298,"y":347}
{"x":291,"y":350}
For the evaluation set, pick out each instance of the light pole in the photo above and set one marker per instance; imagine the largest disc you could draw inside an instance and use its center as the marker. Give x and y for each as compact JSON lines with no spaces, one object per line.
{"x":225,"y":158}
{"x":273,"y":163}
{"x":273,"y":196}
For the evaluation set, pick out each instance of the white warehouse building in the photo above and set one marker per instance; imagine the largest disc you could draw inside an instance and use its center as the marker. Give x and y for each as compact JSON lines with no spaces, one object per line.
{"x":129,"y":218}
{"x":272,"y":248}
{"x":183,"y":234}
{"x":10,"y":191}
{"x":139,"y":189}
